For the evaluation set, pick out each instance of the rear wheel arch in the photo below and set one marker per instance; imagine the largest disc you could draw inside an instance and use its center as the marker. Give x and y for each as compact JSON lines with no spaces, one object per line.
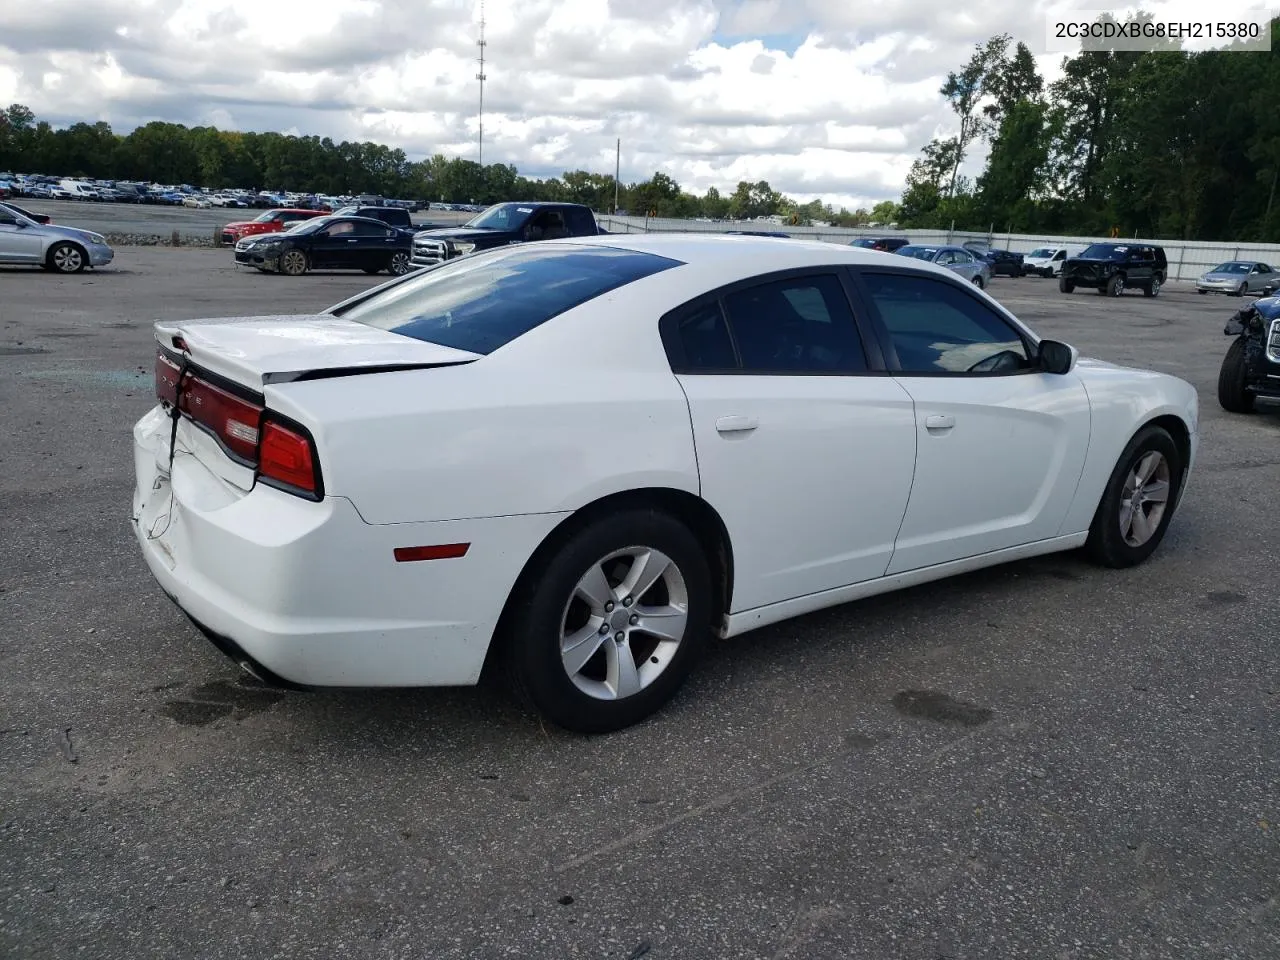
{"x":691,"y":510}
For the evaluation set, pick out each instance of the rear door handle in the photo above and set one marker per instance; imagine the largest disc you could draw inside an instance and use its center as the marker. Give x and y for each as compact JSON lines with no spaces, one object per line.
{"x":736,"y":424}
{"x":939,"y":421}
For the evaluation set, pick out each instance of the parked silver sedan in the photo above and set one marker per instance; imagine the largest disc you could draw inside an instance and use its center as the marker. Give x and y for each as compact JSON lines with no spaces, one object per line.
{"x":57,"y":248}
{"x":1239,"y":277}
{"x":957,"y":259}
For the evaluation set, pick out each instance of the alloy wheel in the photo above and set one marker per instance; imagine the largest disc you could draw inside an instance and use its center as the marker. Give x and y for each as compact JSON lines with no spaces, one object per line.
{"x":67,"y":259}
{"x":1144,"y":499}
{"x":624,"y":623}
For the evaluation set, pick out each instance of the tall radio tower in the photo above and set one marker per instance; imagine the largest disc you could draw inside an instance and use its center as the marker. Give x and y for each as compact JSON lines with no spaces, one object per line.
{"x":481,"y":77}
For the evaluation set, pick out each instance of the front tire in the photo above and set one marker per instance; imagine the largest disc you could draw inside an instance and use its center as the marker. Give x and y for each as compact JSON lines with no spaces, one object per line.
{"x":1114,"y":287}
{"x":1138,"y":502}
{"x":1241,"y":290}
{"x":293,"y":263}
{"x":1232,"y":377}
{"x":607,"y":627}
{"x":66,"y":258}
{"x":1065,"y":285}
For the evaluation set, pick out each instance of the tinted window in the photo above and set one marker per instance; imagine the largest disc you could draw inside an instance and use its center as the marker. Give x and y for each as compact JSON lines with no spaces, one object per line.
{"x":582,"y":223}
{"x":801,"y":325}
{"x":937,"y":328}
{"x":481,"y":303}
{"x":704,"y":337}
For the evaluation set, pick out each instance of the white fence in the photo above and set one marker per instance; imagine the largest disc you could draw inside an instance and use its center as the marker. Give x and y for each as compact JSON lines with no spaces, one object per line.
{"x":1187,"y":259}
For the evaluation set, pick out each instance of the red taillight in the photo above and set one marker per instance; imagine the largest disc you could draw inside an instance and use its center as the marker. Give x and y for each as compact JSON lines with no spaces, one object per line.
{"x":233,"y":421}
{"x":166,"y":379}
{"x":285,"y":456}
{"x":278,"y":452}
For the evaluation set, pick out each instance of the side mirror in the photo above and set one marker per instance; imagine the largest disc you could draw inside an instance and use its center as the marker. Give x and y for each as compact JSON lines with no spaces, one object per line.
{"x":1056,"y":357}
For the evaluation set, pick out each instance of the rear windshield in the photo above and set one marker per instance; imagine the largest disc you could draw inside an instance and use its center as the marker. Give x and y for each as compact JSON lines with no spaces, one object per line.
{"x":480,"y":303}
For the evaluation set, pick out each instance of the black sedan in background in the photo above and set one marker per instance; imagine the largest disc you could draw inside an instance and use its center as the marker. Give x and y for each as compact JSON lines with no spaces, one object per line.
{"x":1005,"y":262}
{"x":330,"y":243}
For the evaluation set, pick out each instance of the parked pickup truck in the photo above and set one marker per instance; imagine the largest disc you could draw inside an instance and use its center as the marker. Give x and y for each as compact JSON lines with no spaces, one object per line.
{"x":501,"y":224}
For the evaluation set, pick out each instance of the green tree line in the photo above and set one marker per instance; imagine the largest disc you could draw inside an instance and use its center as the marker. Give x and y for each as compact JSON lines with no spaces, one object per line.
{"x":1163,"y":144}
{"x":170,"y":153}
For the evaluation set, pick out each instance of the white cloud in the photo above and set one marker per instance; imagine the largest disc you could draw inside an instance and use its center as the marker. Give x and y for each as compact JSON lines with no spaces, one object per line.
{"x":819,"y":97}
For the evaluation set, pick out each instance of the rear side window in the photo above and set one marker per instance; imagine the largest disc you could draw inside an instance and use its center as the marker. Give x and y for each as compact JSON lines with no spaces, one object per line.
{"x":481,"y":303}
{"x":799,"y":325}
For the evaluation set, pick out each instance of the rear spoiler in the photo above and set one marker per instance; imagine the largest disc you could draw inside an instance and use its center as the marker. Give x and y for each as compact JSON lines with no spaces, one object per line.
{"x":298,"y":376}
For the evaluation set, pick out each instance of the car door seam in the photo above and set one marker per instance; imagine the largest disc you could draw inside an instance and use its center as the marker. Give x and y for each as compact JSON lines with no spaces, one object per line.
{"x":1084,"y":460}
{"x":915,"y":466}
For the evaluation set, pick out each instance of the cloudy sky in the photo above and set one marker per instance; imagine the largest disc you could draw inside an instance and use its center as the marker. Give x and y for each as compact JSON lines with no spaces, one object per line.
{"x":830,"y":98}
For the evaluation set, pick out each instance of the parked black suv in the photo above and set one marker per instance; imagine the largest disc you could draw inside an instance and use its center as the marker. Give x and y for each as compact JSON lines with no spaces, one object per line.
{"x":1110,"y":267}
{"x":1251,"y":368}
{"x":501,"y":224}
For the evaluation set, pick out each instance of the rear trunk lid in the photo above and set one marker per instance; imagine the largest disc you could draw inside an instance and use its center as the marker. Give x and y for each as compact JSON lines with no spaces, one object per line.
{"x":257,"y":351}
{"x":229,"y":362}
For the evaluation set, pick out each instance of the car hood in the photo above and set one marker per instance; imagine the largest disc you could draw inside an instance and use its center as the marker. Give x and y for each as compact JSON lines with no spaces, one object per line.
{"x":240,"y":224}
{"x":1092,"y":260}
{"x":71,"y":233}
{"x":259,"y":350}
{"x":461,"y":233}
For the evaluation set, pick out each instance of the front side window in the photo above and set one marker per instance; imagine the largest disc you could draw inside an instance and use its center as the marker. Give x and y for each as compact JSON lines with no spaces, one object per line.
{"x":798,"y":325}
{"x":481,"y":303}
{"x":936,"y":327}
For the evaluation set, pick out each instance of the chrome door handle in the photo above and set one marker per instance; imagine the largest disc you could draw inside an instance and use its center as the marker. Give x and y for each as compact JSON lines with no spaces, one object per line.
{"x":736,"y":424}
{"x":939,"y":421}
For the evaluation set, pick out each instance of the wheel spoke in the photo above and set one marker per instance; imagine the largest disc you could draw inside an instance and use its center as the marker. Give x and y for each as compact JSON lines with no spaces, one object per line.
{"x":1126,"y":518}
{"x":1157,"y":491}
{"x":665,"y":623}
{"x":1142,"y":526}
{"x":594,"y":588}
{"x":1147,"y":466}
{"x":644,"y":573}
{"x":621,"y":676}
{"x":576,"y":650}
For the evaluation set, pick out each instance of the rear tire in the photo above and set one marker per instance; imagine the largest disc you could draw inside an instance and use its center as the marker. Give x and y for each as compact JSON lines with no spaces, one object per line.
{"x":399,"y":264}
{"x":977,"y":282}
{"x":1132,"y":517}
{"x":1232,"y":377}
{"x":589,"y":681}
{"x":1152,"y":287}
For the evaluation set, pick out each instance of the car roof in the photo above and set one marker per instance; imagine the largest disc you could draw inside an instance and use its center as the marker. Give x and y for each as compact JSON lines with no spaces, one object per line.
{"x":720,"y":258}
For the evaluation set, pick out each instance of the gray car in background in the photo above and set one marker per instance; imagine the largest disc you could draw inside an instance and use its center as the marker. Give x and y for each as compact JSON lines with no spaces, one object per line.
{"x":57,"y":248}
{"x":1239,"y":277}
{"x":957,"y":259}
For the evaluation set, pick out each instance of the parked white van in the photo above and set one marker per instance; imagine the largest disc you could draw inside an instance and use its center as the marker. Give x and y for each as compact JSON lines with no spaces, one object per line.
{"x":1047,"y":261}
{"x":75,"y":190}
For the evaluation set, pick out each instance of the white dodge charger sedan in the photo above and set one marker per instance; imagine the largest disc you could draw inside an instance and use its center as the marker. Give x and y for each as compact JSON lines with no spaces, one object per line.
{"x":577,"y":459}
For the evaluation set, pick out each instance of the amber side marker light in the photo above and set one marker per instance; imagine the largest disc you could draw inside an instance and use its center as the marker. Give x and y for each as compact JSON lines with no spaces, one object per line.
{"x":445,"y":551}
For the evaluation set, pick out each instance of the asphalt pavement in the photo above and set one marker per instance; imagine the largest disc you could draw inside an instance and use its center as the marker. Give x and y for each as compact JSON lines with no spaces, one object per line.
{"x":1042,"y":760}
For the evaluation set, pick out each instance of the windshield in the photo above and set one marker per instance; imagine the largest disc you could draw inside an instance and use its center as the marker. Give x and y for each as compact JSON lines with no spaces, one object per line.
{"x":920,"y":253}
{"x":1041,"y":253}
{"x":267,"y":217}
{"x":312,"y":225}
{"x":502,"y":216}
{"x":1232,"y":267}
{"x":480,"y":303}
{"x":1103,"y":251}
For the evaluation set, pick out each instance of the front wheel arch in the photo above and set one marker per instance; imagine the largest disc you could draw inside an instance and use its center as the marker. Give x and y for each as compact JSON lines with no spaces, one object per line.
{"x":698,"y":515}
